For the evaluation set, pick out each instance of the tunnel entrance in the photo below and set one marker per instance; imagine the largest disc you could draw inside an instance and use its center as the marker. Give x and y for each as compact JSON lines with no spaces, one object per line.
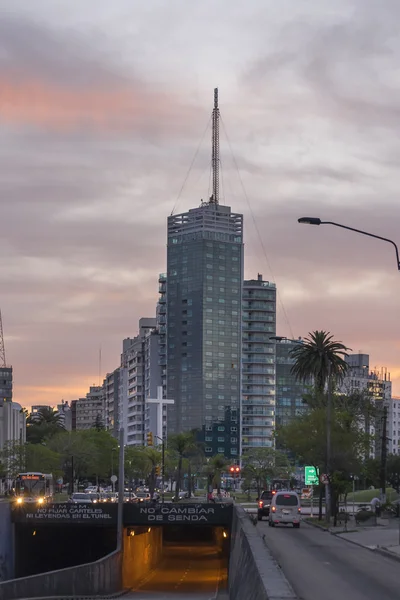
{"x":42,"y":548}
{"x":181,"y":559}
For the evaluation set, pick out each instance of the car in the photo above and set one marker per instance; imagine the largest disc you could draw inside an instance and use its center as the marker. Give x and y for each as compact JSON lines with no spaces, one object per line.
{"x":285,"y":509}
{"x":80,"y":498}
{"x":143,"y":497}
{"x":264,"y":503}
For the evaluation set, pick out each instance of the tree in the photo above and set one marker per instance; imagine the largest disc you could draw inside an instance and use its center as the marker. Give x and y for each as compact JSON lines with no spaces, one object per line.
{"x":42,"y":459}
{"x":262,"y":464}
{"x":181,"y":444}
{"x":47,"y":414}
{"x":79,"y":456}
{"x":393,"y":471}
{"x":306,"y":438}
{"x":13,"y":458}
{"x":216,"y":465}
{"x":38,"y":433}
{"x":98,"y":424}
{"x":318,"y":355}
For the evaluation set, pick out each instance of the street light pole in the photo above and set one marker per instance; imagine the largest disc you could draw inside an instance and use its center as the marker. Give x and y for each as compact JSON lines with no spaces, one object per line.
{"x":328,"y":445}
{"x":317,"y":221}
{"x":121,"y":490}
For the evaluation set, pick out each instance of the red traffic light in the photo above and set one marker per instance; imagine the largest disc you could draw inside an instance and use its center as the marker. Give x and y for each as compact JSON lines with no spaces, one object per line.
{"x":232,"y":469}
{"x":237,"y":469}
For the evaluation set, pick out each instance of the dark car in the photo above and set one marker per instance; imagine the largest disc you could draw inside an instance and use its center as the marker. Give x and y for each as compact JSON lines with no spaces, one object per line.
{"x":264,"y":503}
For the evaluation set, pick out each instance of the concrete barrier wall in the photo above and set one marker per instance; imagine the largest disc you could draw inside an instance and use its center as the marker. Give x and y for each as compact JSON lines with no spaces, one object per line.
{"x":253,"y":572}
{"x":142,"y":553}
{"x":102,"y":577}
{"x":6,"y":543}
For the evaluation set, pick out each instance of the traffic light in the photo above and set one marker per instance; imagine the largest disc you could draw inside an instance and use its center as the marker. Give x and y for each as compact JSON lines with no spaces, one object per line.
{"x":232,"y":470}
{"x":158,"y":471}
{"x":237,"y":470}
{"x":149,"y":438}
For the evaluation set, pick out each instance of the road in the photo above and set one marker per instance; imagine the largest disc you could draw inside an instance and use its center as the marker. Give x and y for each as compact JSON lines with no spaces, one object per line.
{"x":186,"y":572}
{"x":321,"y":566}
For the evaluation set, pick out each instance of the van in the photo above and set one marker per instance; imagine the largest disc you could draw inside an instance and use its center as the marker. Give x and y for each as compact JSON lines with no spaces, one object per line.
{"x":285,"y":509}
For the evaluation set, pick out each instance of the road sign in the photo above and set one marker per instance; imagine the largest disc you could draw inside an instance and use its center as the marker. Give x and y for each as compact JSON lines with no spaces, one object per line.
{"x":311,"y":476}
{"x":60,"y":481}
{"x":113,"y":478}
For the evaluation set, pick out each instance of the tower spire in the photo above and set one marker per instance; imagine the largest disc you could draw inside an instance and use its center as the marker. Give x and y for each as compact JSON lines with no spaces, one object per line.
{"x":215,"y":150}
{"x":2,"y":347}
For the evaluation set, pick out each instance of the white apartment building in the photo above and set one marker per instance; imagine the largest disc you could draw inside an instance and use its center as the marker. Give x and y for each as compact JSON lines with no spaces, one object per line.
{"x":139,"y":377}
{"x":394,"y":426}
{"x":85,"y":411}
{"x":376,"y":383}
{"x":12,"y":424}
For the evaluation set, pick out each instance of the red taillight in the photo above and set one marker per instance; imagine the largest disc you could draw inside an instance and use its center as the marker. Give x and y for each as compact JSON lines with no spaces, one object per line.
{"x":261,"y":504}
{"x":299,"y":509}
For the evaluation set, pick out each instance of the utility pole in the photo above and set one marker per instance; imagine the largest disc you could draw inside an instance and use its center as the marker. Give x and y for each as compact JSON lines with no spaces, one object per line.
{"x":328,"y":445}
{"x":2,"y":347}
{"x":383,"y":456}
{"x":215,"y":151}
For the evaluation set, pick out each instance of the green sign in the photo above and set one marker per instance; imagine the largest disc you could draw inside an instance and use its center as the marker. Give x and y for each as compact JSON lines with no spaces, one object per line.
{"x":311,"y":476}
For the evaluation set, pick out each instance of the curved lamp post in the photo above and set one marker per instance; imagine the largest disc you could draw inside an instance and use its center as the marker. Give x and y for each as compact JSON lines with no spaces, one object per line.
{"x":317,"y":221}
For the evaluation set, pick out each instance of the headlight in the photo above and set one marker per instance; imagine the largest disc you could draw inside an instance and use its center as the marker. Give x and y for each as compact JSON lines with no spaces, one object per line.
{"x":19,"y":500}
{"x":40,"y":500}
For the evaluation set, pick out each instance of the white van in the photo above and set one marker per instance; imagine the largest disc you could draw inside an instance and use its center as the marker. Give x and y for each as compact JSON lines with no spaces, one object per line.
{"x":285,"y":508}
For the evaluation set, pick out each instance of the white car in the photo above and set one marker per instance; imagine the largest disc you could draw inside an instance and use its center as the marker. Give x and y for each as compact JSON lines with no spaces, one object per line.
{"x":80,"y":498}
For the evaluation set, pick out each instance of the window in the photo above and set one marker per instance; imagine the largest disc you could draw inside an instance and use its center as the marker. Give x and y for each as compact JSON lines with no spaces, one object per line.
{"x":221,"y":439}
{"x":221,"y":428}
{"x":208,"y":449}
{"x":221,"y":450}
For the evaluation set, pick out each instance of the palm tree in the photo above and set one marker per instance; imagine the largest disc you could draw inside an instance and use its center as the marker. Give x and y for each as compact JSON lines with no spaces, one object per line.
{"x":214,"y":468}
{"x":319,"y":357}
{"x":47,"y":415}
{"x":181,"y":443}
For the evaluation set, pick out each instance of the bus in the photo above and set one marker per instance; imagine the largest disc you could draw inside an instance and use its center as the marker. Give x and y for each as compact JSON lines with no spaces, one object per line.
{"x":34,"y":488}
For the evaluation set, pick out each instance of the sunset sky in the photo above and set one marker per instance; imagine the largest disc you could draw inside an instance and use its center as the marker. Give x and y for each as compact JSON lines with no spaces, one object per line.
{"x":102,"y":108}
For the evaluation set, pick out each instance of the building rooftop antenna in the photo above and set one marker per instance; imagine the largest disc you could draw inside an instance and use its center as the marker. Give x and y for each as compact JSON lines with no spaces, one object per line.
{"x":215,"y":151}
{"x":2,"y":347}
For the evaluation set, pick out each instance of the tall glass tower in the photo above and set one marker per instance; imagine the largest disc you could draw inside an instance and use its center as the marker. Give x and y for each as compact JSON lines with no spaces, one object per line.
{"x":204,"y":297}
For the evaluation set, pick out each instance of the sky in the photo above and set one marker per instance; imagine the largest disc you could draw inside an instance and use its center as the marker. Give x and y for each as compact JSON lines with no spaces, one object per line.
{"x":104,"y":106}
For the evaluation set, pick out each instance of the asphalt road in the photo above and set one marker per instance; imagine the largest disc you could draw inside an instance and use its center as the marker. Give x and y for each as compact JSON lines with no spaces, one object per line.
{"x":321,"y":566}
{"x":186,"y":572}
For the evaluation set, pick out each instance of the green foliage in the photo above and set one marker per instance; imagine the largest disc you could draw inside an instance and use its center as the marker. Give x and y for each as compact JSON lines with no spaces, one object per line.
{"x":214,"y":468}
{"x":393,"y":471}
{"x":42,"y":459}
{"x":182,"y":445}
{"x":318,"y":355}
{"x":98,"y":424}
{"x":92,"y":452}
{"x":262,"y":464}
{"x":13,"y":458}
{"x":39,"y":432}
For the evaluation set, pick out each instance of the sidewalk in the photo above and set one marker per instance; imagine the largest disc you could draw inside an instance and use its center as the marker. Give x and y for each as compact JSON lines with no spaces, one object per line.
{"x":385,"y":537}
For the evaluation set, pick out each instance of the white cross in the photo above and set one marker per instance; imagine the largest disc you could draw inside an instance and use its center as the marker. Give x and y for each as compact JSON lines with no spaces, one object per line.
{"x":160,"y":402}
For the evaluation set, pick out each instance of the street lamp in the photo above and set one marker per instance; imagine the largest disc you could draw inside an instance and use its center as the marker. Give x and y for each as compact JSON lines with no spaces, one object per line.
{"x":317,"y":221}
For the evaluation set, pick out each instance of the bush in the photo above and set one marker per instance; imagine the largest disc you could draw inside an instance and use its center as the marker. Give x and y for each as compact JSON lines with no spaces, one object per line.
{"x":363,"y":515}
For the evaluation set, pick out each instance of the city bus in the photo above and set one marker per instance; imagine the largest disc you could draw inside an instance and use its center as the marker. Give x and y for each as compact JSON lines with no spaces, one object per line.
{"x":34,"y":488}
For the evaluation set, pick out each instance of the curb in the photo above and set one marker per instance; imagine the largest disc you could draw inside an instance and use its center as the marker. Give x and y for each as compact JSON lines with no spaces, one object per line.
{"x":80,"y":597}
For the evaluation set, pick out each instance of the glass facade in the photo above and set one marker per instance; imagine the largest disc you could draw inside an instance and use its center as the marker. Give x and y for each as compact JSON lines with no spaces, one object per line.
{"x":204,"y":296}
{"x":289,"y":391}
{"x":258,"y":363}
{"x":6,"y":384}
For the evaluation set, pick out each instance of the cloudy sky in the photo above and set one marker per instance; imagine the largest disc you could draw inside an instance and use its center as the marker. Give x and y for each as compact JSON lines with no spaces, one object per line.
{"x":102,"y":108}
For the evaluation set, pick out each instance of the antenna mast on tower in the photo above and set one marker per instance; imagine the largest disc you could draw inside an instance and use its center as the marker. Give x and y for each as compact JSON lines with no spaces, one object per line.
{"x":215,"y":150}
{"x":2,"y":347}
